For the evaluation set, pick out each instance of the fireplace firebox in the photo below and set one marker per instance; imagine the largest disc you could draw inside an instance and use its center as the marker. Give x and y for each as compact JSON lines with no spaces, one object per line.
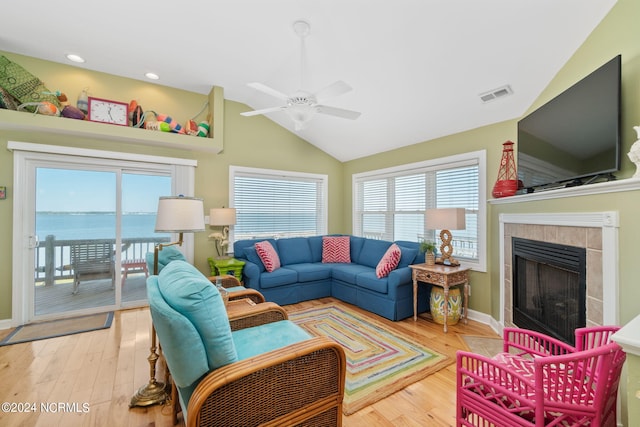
{"x":549,"y":287}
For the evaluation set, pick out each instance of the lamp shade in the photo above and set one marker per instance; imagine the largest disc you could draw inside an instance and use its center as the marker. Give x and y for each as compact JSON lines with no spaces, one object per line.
{"x":177,"y":214}
{"x":222,"y":216}
{"x":445,"y":219}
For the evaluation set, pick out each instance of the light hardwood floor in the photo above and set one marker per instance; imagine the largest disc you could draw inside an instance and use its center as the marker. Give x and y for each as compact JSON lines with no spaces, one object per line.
{"x":93,"y":376}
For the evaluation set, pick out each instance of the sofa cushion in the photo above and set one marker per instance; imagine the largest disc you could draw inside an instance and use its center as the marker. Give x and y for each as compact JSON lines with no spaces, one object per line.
{"x":372,"y":252}
{"x":279,"y":277}
{"x":356,"y":246}
{"x":389,"y":261}
{"x":190,"y":293}
{"x":310,"y":272}
{"x":295,"y":250}
{"x":336,"y":249}
{"x":251,"y":254}
{"x":407,"y":255}
{"x":369,"y":280}
{"x":315,"y":243}
{"x":268,"y":256}
{"x":251,"y":342}
{"x":348,"y":272}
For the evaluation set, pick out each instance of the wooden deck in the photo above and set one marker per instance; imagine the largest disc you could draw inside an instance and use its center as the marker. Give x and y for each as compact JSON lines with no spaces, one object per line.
{"x":59,"y":297}
{"x":103,"y":369}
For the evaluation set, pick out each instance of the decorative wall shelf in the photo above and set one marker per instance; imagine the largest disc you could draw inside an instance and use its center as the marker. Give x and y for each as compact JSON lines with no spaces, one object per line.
{"x":28,"y":122}
{"x":630,"y":184}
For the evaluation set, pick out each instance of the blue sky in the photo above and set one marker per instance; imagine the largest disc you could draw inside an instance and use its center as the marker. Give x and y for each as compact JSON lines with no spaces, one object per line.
{"x":64,"y":190}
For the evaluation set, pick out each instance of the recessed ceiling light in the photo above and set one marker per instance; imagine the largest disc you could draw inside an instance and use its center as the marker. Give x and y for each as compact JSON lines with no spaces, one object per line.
{"x":152,"y":76}
{"x":75,"y":58}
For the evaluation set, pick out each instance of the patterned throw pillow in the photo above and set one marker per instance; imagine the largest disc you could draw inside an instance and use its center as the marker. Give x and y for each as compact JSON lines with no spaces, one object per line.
{"x":268,"y":256}
{"x":336,"y":249}
{"x":389,"y":261}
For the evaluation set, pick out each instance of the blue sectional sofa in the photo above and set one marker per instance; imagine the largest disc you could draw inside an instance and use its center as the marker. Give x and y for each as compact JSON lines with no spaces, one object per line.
{"x":303,"y":276}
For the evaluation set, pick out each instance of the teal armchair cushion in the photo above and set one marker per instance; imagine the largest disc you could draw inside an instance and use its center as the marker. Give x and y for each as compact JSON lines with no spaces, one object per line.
{"x":182,"y":346}
{"x":251,"y":342}
{"x":165,"y":256}
{"x":190,"y":293}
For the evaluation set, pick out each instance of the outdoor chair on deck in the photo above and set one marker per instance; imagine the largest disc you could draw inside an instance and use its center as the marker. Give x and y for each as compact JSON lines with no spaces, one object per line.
{"x":91,"y":261}
{"x":270,"y":374}
{"x":541,"y":381}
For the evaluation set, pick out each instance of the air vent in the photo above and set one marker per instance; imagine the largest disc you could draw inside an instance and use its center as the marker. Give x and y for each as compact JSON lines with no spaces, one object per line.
{"x":492,"y":95}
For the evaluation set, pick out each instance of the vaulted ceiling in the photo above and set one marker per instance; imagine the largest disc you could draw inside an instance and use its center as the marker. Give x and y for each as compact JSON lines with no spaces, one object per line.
{"x":417,"y":67}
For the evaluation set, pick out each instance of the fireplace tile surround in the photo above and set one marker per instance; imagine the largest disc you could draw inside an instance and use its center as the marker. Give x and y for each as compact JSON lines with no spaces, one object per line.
{"x":597,"y":232}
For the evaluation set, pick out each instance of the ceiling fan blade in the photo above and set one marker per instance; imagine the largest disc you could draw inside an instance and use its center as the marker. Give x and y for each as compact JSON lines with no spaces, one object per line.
{"x":269,"y":91}
{"x":339,"y":112}
{"x":335,"y":89}
{"x":263,"y":111}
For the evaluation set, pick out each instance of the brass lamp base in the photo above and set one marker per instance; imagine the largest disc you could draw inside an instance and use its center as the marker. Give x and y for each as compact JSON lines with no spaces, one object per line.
{"x":150,"y":394}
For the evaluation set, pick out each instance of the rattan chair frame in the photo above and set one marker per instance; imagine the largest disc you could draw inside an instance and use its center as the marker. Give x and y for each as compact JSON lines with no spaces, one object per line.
{"x":298,"y":384}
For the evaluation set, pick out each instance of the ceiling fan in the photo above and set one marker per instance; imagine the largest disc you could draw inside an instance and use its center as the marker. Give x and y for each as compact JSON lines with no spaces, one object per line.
{"x":302,"y":105}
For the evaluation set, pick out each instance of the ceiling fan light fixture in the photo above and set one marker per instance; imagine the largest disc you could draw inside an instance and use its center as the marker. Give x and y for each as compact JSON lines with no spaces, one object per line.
{"x":301,"y":114}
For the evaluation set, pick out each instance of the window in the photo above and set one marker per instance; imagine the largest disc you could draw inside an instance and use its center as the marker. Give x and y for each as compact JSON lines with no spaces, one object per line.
{"x":389,"y":204}
{"x":276,"y":204}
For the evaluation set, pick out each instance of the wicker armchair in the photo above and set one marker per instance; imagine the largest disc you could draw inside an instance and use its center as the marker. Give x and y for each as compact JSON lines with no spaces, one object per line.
{"x":275,"y":373}
{"x":236,"y":290}
{"x":541,"y":381}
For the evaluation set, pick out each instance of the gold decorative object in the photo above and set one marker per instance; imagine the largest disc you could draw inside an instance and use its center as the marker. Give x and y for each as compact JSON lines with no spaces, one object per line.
{"x":175,"y":215}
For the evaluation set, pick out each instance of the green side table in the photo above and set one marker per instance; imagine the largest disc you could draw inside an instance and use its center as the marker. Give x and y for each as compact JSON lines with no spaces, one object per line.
{"x":222,"y":266}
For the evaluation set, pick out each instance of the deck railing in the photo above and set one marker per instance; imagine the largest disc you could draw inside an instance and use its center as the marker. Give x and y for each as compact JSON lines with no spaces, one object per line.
{"x":53,"y":257}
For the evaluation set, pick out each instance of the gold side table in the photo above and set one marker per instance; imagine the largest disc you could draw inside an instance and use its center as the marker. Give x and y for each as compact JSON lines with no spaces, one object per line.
{"x":444,"y":276}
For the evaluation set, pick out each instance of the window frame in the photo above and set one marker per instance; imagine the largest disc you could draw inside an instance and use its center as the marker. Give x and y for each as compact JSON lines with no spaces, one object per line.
{"x":279,"y":174}
{"x":459,"y":160}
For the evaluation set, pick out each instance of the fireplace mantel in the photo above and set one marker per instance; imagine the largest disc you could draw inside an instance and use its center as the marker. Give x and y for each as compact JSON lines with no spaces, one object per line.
{"x":629,"y":184}
{"x":607,"y":223}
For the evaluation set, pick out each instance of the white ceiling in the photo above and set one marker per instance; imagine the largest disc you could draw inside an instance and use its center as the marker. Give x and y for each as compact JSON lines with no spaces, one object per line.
{"x":416,"y":66}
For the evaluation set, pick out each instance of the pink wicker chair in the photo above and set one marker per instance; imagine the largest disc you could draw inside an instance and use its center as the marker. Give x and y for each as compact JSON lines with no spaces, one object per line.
{"x":540,"y":381}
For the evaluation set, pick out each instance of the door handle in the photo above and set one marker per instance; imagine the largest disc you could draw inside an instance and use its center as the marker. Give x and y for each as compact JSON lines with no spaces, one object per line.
{"x":34,"y":242}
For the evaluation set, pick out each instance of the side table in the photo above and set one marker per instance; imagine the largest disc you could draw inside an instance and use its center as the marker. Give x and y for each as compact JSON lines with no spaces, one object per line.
{"x":444,"y":276}
{"x":222,"y":266}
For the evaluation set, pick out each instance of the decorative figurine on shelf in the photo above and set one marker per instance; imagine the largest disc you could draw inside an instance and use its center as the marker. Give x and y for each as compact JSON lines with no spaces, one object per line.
{"x":507,"y":183}
{"x":634,"y":153}
{"x":203,"y":129}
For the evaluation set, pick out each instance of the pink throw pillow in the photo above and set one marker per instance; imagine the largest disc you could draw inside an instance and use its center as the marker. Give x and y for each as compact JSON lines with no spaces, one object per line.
{"x":389,"y":261}
{"x":268,"y":256}
{"x":336,"y":249}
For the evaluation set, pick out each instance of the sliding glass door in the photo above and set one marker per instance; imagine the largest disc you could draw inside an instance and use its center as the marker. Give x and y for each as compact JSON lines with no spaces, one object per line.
{"x":83,"y":225}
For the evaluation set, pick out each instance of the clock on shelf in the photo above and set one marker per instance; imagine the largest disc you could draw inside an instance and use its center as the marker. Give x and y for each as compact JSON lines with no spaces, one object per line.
{"x":107,"y":111}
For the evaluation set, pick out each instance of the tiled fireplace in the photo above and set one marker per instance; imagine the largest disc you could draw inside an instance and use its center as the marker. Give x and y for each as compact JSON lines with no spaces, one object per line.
{"x":596,"y":232}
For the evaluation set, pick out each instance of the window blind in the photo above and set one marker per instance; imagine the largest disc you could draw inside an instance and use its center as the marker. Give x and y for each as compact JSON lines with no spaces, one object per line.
{"x":390,"y":205}
{"x":278,"y":204}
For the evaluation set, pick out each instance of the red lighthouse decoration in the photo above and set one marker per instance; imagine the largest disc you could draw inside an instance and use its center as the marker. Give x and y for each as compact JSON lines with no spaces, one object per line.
{"x":507,"y":183}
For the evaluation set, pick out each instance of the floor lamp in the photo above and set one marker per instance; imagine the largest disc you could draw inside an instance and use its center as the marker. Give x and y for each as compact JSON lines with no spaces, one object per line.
{"x":177,"y":214}
{"x":445,"y":219}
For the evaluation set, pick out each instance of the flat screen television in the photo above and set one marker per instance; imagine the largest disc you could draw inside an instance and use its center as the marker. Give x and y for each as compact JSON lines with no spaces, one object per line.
{"x":573,"y":139}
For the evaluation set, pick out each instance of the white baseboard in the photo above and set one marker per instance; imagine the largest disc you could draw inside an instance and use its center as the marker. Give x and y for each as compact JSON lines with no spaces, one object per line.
{"x":487,"y":320}
{"x":6,"y":324}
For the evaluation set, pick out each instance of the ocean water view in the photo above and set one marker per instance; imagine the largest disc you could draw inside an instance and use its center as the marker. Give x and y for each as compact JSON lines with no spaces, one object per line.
{"x":94,"y":225}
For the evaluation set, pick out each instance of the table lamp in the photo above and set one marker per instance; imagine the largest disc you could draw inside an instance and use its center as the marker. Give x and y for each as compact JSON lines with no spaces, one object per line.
{"x":223,"y":217}
{"x":176,"y":214}
{"x":445,"y":219}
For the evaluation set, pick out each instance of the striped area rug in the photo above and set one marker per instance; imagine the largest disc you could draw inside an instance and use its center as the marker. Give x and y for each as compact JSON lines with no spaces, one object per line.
{"x":379,"y":363}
